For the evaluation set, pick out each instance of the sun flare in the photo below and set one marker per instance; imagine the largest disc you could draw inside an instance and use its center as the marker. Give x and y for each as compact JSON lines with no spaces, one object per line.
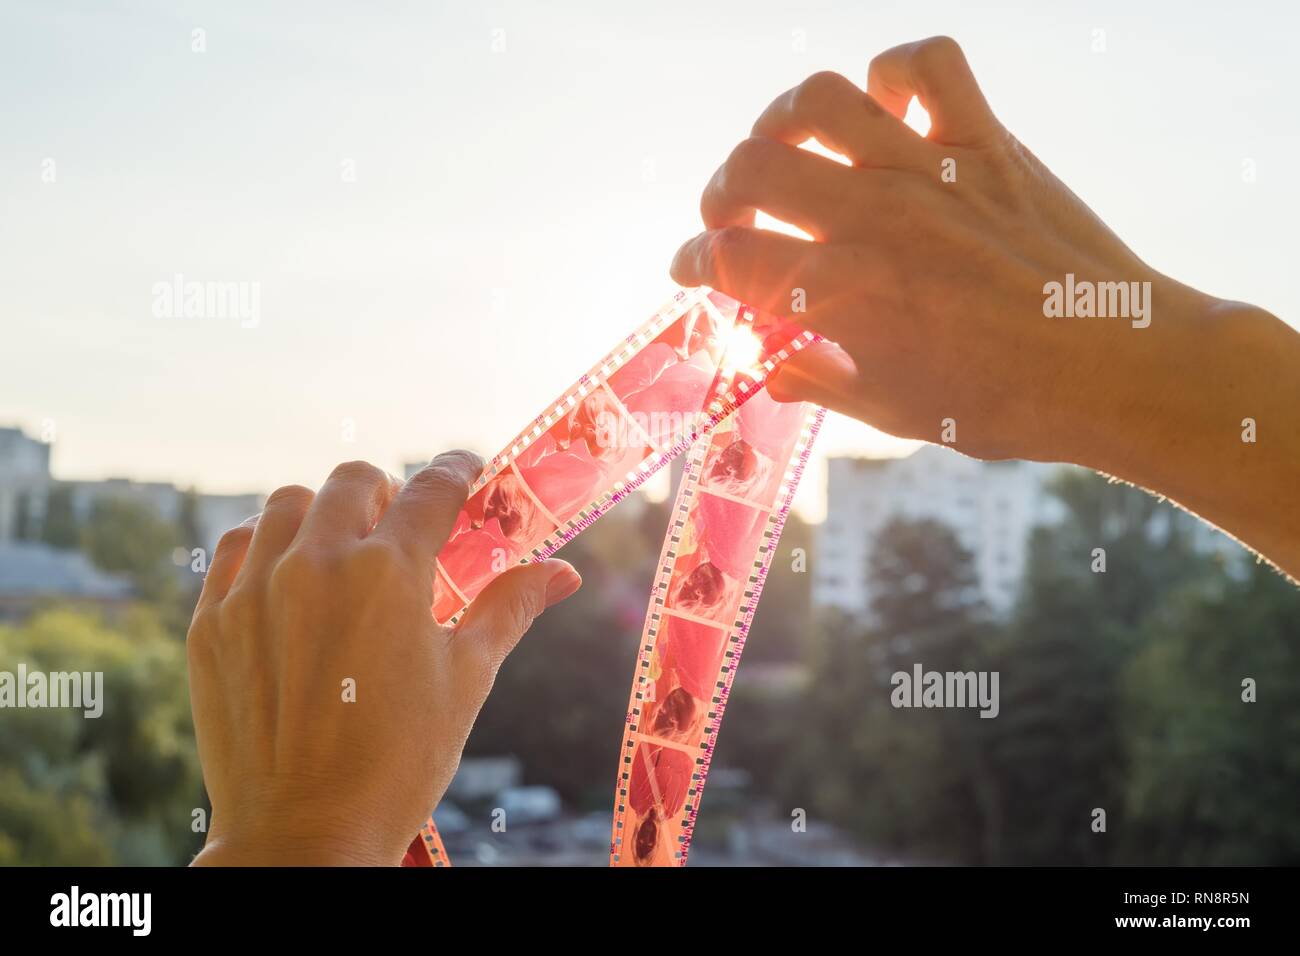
{"x":743,"y":349}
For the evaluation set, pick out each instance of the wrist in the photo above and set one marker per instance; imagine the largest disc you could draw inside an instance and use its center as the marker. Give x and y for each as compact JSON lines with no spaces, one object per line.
{"x":288,"y":850}
{"x":1150,"y":388}
{"x":1203,"y":412}
{"x":295,"y":820}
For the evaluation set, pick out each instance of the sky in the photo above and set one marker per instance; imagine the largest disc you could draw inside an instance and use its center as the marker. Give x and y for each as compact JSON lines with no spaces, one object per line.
{"x":452,"y":209}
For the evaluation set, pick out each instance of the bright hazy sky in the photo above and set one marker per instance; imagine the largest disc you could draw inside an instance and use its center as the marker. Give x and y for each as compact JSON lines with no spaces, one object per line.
{"x":514,"y":212}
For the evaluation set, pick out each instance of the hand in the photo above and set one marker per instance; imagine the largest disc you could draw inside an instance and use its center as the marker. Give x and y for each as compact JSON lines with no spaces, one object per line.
{"x":932,"y":289}
{"x":328,"y":592}
{"x":930,"y":271}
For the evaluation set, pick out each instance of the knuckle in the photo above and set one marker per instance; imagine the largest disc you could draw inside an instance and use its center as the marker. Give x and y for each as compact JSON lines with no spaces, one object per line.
{"x":725,"y":245}
{"x":880,"y":63}
{"x":360,"y":471}
{"x":817,"y":90}
{"x":871,"y":105}
{"x":299,"y":568}
{"x":440,"y":482}
{"x":235,"y":614}
{"x":749,"y":161}
{"x":938,"y":52}
{"x":233,"y":539}
{"x":200,"y":651}
{"x":377,"y":560}
{"x":460,"y":460}
{"x":296,"y":497}
{"x":204,"y":627}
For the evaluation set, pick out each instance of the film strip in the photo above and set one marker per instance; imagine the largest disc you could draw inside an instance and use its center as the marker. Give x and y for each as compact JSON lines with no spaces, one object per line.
{"x":728,"y":516}
{"x":689,"y":380}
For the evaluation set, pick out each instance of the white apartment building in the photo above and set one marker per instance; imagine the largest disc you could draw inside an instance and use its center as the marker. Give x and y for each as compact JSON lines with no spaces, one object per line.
{"x":213,"y":515}
{"x":990,"y":506}
{"x":26,"y":484}
{"x":24,"y":476}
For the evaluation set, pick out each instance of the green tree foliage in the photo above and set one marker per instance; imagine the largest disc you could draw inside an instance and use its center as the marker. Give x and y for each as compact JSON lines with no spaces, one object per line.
{"x":1119,"y":689}
{"x":922,"y":581}
{"x":899,"y":779}
{"x":1059,"y":745}
{"x":560,"y":698}
{"x":1212,"y":778}
{"x":130,"y":538}
{"x":59,"y":528}
{"x":779,"y":631}
{"x":117,"y":789}
{"x":187,"y":522}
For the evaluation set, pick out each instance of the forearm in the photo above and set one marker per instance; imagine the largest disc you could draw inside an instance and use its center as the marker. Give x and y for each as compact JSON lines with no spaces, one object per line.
{"x":1209,"y":416}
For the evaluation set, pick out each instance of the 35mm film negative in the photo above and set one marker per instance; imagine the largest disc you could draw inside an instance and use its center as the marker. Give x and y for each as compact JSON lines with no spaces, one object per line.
{"x":731,"y":507}
{"x":689,"y":379}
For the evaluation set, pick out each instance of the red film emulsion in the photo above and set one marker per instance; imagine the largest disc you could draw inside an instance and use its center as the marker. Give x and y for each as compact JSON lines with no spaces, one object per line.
{"x":688,"y":382}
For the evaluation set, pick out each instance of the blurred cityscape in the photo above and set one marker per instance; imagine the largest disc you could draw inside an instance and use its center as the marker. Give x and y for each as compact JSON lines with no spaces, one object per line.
{"x":1122,"y":629}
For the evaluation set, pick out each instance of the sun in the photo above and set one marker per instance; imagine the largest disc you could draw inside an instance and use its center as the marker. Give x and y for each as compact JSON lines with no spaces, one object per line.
{"x":743,"y":349}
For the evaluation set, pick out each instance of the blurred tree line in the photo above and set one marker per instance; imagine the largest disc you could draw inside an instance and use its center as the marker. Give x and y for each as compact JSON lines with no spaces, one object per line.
{"x":117,"y":789}
{"x":129,"y":538}
{"x":1118,"y":690}
{"x":120,"y":788}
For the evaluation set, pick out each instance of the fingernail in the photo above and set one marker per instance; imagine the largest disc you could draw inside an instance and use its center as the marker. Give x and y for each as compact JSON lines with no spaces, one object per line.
{"x":250,"y":522}
{"x":561,"y":585}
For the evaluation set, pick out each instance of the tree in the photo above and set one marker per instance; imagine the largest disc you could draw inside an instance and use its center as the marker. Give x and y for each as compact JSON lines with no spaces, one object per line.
{"x":560,"y":698}
{"x":780,"y":626}
{"x":59,"y":530}
{"x":1212,"y":774}
{"x":117,"y":789}
{"x":1119,"y":689}
{"x":130,"y":538}
{"x":899,"y":778}
{"x":921,"y":578}
{"x":1060,"y":746}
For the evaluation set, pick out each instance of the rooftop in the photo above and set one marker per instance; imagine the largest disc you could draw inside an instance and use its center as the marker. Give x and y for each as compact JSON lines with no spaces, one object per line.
{"x":32,"y":569}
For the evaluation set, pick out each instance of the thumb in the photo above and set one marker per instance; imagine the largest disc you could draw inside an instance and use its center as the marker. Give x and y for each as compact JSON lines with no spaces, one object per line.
{"x":508,"y":606}
{"x":823,"y":374}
